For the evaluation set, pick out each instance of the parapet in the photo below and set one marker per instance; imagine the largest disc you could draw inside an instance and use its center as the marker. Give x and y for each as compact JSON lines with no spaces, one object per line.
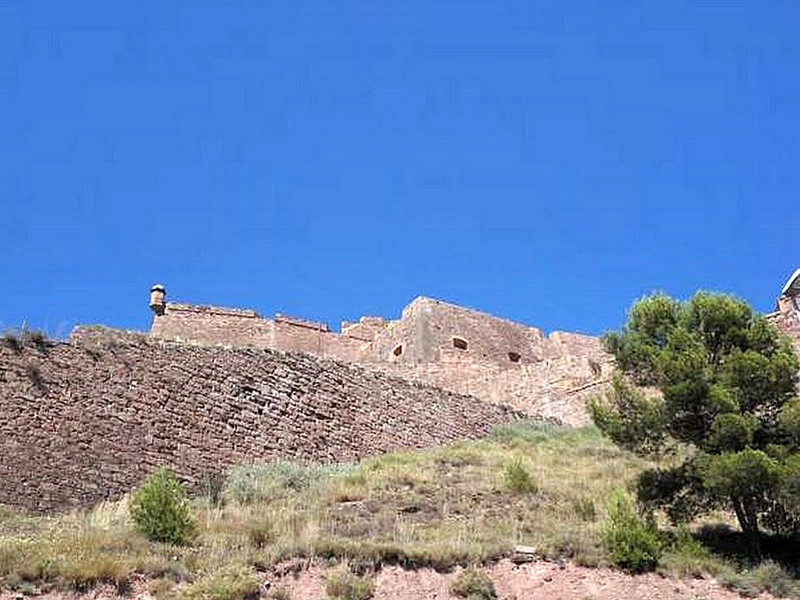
{"x":298,"y":322}
{"x":204,"y":309}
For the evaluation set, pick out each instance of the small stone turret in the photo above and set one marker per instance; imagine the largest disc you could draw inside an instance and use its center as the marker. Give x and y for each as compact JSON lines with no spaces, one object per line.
{"x":157,"y":295}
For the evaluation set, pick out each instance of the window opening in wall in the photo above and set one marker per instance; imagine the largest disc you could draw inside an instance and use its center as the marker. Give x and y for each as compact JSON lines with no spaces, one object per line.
{"x":398,"y":350}
{"x":460,"y":343}
{"x":514,"y":357}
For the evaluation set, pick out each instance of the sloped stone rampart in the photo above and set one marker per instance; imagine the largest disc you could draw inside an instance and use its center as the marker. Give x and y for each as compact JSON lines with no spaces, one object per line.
{"x":85,"y":421}
{"x":496,"y":360}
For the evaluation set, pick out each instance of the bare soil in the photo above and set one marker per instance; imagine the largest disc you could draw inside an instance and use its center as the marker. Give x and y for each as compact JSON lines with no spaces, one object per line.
{"x":546,"y":580}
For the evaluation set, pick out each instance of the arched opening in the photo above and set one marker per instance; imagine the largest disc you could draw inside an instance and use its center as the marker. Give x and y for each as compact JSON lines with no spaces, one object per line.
{"x":460,"y":343}
{"x":398,"y":350}
{"x":514,"y":357}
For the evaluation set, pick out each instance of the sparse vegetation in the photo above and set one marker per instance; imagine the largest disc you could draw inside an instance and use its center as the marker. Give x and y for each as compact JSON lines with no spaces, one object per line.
{"x":12,"y":341}
{"x":474,"y":584}
{"x":442,"y":508}
{"x":347,"y":586}
{"x":231,"y":582}
{"x":35,"y":337}
{"x":17,"y":339}
{"x":261,"y":482}
{"x":280,"y":593}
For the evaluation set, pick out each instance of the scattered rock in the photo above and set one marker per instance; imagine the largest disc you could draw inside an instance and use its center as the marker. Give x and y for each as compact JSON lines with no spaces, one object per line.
{"x":523,"y":554}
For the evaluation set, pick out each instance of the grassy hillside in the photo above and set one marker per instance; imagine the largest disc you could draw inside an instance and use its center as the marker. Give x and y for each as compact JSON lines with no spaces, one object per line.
{"x":468,"y":503}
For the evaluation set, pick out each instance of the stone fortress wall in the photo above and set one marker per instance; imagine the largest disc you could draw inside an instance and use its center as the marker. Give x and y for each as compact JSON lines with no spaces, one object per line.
{"x":86,"y":420}
{"x":209,"y":388}
{"x":787,"y":310}
{"x":452,"y":347}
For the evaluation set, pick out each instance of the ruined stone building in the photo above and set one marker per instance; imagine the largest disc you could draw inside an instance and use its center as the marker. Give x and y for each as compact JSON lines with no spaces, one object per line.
{"x":452,"y":347}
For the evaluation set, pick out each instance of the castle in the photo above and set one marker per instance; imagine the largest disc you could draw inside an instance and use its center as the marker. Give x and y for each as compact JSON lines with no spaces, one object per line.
{"x":452,"y":347}
{"x":209,"y":388}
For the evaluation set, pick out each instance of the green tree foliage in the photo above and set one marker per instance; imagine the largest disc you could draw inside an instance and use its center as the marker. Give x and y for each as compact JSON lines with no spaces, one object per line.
{"x":161,"y":510}
{"x":717,"y":381}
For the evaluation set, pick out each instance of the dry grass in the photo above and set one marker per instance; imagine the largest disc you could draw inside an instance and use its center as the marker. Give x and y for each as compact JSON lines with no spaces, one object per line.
{"x":444,"y":507}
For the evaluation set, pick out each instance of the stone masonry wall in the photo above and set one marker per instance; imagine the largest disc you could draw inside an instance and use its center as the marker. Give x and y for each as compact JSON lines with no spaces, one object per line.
{"x":489,"y":339}
{"x":552,"y":388}
{"x":212,"y":325}
{"x":550,"y":376}
{"x":503,"y":362}
{"x":788,"y":321}
{"x":85,"y":421}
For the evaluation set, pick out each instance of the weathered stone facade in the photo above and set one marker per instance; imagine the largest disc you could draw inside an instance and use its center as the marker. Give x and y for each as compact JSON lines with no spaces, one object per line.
{"x":452,"y":347}
{"x":86,"y":420}
{"x":787,"y":310}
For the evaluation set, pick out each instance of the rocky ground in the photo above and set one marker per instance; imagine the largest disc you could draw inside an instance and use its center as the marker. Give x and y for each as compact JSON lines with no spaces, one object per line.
{"x":540,"y":579}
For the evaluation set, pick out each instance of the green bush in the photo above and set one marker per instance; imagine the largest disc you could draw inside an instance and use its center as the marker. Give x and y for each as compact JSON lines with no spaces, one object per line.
{"x":473,"y":584}
{"x":346,"y":586}
{"x":517,"y":478}
{"x":632,"y":544}
{"x":160,"y":509}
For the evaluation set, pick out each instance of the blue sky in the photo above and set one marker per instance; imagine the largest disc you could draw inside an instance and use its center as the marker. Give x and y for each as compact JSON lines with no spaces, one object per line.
{"x":547,"y":162}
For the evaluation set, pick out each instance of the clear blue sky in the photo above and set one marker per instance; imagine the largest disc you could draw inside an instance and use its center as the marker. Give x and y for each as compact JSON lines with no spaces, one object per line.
{"x":547,"y":162}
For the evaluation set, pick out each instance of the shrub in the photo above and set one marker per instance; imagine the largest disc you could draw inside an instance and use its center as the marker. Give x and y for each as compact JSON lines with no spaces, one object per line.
{"x":632,"y":545}
{"x":474,"y":585}
{"x":235,"y":582}
{"x":160,"y":509}
{"x":517,"y":478}
{"x":12,"y":341}
{"x":346,"y":586}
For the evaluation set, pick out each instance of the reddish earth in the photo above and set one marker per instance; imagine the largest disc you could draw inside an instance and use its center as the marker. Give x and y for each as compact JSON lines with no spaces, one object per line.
{"x":523,"y":582}
{"x":530,"y":581}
